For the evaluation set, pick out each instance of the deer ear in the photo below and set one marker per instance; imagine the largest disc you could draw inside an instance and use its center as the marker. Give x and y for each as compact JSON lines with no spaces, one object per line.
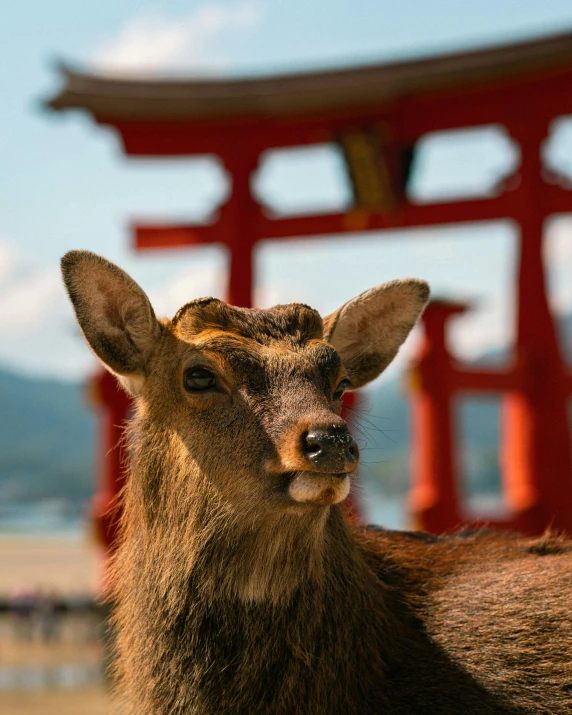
{"x":368,"y":331}
{"x":114,"y":314}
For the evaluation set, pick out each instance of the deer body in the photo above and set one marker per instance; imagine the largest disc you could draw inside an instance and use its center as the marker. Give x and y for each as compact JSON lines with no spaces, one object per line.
{"x":241,"y":589}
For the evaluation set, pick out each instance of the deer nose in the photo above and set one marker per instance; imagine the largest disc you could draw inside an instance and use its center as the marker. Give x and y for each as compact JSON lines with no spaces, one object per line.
{"x":335,"y":452}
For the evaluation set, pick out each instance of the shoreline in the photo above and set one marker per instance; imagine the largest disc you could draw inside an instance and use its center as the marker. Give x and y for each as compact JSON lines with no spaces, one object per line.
{"x":66,"y":564}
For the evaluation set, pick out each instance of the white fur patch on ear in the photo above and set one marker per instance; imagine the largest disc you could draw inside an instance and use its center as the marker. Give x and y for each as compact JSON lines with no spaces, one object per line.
{"x":132,"y":384}
{"x":368,"y":331}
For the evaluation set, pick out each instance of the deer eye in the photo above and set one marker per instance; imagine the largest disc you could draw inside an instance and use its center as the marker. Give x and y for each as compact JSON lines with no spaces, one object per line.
{"x":342,"y":387}
{"x":197,"y":379}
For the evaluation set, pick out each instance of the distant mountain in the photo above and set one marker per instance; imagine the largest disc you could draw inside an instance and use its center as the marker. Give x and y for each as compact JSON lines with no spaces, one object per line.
{"x":46,"y":440}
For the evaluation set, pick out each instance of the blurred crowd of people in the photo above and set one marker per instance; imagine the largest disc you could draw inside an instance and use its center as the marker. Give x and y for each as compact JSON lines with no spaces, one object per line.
{"x":37,"y":614}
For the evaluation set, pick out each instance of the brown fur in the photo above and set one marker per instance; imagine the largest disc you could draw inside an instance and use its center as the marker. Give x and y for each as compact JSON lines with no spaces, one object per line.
{"x":235,"y":599}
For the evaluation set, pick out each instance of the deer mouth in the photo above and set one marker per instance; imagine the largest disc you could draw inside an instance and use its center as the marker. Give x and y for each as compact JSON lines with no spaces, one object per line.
{"x":319,"y":488}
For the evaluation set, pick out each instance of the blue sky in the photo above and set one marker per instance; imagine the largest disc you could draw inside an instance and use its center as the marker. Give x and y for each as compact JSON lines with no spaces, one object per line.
{"x":64,"y":184}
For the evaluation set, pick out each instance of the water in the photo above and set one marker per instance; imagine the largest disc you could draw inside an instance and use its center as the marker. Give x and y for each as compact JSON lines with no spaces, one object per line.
{"x":387,"y":511}
{"x":54,"y":518}
{"x":41,"y":677}
{"x":58,"y":520}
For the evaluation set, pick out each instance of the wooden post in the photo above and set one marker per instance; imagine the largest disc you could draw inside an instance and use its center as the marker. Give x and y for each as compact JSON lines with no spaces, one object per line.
{"x":537,"y":454}
{"x":113,"y":405}
{"x":434,"y":498}
{"x":240,"y":218}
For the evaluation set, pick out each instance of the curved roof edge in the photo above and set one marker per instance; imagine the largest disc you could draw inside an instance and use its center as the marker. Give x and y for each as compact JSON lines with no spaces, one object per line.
{"x":114,"y":97}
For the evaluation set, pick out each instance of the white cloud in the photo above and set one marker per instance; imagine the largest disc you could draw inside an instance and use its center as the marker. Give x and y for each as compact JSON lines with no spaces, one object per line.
{"x":153,"y":43}
{"x":7,"y":260}
{"x":36,"y":322}
{"x":40,"y":335}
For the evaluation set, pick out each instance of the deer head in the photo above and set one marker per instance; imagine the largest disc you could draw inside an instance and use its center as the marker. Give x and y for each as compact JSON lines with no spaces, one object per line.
{"x":250,"y":398}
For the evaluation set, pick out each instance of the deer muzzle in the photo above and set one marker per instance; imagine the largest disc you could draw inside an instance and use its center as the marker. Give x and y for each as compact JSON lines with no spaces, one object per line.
{"x":318,"y":457}
{"x":332,"y":452}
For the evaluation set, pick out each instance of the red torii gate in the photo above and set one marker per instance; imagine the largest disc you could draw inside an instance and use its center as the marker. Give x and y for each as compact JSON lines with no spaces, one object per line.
{"x":378,"y":113}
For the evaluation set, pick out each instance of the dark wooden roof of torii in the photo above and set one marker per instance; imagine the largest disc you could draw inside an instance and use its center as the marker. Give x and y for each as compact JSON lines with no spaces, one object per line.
{"x":128,"y":98}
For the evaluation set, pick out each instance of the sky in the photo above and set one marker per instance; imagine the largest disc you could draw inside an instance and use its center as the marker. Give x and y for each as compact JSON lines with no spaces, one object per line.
{"x":64,"y":183}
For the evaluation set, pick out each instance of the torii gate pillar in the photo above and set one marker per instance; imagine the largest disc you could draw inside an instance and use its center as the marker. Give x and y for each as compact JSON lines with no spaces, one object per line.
{"x":536,"y":446}
{"x":242,"y":210}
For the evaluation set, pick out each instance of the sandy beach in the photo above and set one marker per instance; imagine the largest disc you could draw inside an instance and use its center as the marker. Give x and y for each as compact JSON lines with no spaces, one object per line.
{"x":67,"y":566}
{"x":92,"y":701}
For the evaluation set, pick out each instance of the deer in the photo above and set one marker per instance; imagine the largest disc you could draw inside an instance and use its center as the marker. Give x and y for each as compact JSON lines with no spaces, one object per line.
{"x":240,"y":588}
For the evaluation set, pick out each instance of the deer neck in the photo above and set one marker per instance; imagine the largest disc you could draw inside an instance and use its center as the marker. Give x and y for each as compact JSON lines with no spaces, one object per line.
{"x":186,"y":533}
{"x":194,"y":579}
